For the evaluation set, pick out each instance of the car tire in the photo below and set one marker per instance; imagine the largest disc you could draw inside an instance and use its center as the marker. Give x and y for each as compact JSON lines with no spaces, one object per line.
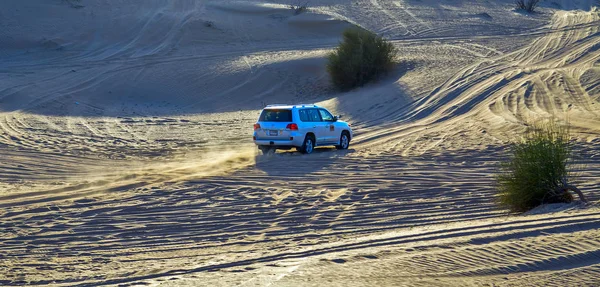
{"x":344,"y":141}
{"x":309,"y":145}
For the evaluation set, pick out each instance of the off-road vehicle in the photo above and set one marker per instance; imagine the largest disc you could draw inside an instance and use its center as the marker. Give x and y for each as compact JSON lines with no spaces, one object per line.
{"x":303,"y":127}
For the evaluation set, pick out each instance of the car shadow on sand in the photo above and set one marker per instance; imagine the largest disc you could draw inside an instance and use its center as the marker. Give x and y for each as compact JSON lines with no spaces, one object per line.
{"x":295,"y":163}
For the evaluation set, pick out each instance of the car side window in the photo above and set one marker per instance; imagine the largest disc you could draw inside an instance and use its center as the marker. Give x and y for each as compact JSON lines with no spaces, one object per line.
{"x":314,"y":115}
{"x":327,"y":117}
{"x":304,"y":115}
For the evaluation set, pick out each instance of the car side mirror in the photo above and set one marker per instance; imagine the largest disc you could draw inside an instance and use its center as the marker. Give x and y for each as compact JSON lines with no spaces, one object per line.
{"x":335,"y":118}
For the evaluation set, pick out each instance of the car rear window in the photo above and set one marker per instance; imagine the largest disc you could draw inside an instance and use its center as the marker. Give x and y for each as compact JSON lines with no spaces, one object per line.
{"x":275,"y":115}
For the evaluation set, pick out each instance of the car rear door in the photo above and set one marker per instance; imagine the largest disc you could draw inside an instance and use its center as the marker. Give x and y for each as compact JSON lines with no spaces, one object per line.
{"x":306,"y":122}
{"x":317,"y":125}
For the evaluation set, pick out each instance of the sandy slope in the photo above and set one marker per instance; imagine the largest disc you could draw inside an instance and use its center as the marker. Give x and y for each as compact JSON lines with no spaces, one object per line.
{"x":124,"y":139}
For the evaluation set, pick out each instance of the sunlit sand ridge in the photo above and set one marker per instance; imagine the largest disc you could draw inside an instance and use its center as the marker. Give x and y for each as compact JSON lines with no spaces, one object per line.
{"x":125,"y":139}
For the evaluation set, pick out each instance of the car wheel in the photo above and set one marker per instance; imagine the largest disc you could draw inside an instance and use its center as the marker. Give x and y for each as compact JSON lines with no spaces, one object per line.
{"x":309,"y":145}
{"x":344,"y":141}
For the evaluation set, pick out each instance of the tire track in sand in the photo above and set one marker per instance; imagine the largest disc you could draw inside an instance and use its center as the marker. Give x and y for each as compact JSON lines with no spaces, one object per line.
{"x":478,"y":93}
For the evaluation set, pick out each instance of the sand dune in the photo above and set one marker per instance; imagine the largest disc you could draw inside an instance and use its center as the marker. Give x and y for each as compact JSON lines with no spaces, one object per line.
{"x":500,"y":94}
{"x":126,"y":157}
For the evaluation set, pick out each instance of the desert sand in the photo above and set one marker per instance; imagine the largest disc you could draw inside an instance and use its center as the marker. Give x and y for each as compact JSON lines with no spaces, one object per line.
{"x":126,"y":155}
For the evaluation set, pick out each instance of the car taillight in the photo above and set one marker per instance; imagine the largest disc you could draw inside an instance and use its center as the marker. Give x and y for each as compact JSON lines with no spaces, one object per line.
{"x":256,"y":126}
{"x":292,"y":127}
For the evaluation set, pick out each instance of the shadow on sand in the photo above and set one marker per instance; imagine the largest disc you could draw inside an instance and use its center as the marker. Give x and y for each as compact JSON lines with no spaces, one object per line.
{"x":293,"y":163}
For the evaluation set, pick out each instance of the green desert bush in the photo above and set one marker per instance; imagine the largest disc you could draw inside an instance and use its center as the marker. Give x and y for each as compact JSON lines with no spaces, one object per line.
{"x":527,"y":5}
{"x":361,"y":57}
{"x":538,"y":170}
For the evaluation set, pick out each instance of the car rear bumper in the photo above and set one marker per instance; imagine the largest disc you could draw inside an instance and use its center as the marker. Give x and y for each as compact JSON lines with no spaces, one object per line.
{"x":294,"y":139}
{"x":283,"y":143}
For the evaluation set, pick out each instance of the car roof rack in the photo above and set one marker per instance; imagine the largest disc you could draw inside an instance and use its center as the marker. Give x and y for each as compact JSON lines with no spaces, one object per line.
{"x":291,"y":105}
{"x":303,"y":105}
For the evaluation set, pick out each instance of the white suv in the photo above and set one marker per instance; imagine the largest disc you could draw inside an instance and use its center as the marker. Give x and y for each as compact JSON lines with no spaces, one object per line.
{"x":301,"y":126}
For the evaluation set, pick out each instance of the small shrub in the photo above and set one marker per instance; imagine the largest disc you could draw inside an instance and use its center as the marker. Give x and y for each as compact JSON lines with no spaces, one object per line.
{"x":538,"y":171}
{"x":361,"y":57}
{"x":527,"y":5}
{"x":299,"y":8}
